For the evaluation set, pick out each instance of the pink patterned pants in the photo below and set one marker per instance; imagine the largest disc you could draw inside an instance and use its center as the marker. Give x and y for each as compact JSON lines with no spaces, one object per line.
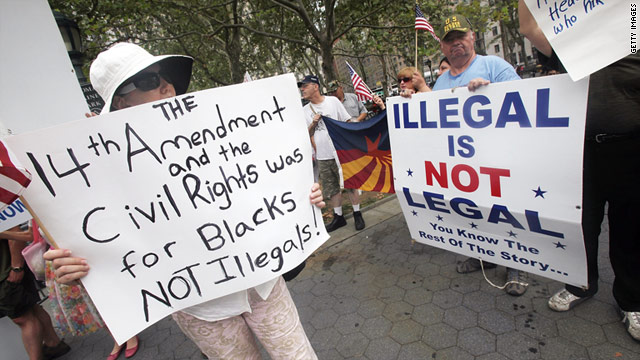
{"x":274,"y":322}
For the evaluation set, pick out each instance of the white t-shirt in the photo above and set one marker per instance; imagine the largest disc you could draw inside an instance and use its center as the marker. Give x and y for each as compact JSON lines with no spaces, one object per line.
{"x":230,"y":305}
{"x":330,"y":107}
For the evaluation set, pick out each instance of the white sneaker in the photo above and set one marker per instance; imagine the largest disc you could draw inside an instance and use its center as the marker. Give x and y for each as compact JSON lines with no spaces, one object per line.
{"x":632,"y":320}
{"x":563,"y":300}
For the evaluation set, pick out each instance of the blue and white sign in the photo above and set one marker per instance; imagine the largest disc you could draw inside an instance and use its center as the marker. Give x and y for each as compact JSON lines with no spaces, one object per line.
{"x":14,"y":214}
{"x":496,"y":174}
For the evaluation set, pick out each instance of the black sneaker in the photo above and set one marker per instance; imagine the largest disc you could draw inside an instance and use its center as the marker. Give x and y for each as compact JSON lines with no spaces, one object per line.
{"x":55,"y":351}
{"x":337,"y":222}
{"x":357,"y":218}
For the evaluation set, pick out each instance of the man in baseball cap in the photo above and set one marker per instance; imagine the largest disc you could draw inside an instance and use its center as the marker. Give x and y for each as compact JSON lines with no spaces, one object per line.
{"x":473,"y":71}
{"x":309,"y":79}
{"x":455,"y":22}
{"x":350,"y":101}
{"x":329,"y":106}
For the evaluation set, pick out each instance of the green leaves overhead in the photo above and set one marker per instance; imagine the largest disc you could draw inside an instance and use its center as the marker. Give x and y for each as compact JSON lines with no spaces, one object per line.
{"x":264,"y":37}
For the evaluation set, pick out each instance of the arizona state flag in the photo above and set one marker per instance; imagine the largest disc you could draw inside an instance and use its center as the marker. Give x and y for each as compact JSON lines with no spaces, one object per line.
{"x":364,"y":153}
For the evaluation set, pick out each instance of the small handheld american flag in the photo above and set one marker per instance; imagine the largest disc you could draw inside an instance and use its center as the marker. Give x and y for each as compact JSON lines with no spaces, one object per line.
{"x":13,"y":178}
{"x":423,"y":24}
{"x":362,"y":90}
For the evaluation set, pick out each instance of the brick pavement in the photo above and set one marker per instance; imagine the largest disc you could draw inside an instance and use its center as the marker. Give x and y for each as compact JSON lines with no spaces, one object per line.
{"x":373,"y":295}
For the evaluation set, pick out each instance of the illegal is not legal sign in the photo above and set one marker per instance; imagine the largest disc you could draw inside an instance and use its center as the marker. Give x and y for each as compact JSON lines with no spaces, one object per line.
{"x":496,"y":174}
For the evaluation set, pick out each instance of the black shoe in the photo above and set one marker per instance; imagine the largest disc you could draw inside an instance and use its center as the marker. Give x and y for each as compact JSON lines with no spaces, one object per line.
{"x":357,"y":218}
{"x":337,"y":222}
{"x":55,"y":351}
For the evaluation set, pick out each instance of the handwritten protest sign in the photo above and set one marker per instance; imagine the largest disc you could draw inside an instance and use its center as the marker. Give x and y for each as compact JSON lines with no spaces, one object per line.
{"x":14,"y":214}
{"x":496,"y":174}
{"x":179,"y":201}
{"x":587,"y":35}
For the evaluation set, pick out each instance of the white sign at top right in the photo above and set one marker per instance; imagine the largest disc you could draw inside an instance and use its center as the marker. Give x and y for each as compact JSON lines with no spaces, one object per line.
{"x":588,"y":35}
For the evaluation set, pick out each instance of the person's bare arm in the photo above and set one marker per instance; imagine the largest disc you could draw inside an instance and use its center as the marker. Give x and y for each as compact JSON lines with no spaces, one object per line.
{"x":16,"y":240}
{"x":530,"y":29}
{"x":419,"y":84}
{"x":314,"y":124}
{"x":16,"y":235}
{"x":378,"y":100}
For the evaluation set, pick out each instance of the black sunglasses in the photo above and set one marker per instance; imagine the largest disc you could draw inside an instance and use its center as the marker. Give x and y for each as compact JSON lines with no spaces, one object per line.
{"x":405,"y":79}
{"x":146,"y":81}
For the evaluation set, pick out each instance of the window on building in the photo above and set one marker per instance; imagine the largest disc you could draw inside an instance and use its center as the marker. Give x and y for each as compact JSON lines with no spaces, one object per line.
{"x":496,"y":48}
{"x":494,"y":31}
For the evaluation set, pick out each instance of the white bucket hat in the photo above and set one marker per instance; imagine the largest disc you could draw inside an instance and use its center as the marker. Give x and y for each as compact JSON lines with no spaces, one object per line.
{"x":116,"y":65}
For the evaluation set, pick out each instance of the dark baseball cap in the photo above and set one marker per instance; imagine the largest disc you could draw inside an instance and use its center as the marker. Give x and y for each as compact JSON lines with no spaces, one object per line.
{"x":333,"y":86}
{"x":309,"y":79}
{"x":455,"y":22}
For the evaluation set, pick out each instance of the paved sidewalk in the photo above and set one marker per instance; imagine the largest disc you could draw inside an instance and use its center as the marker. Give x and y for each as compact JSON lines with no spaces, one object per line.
{"x":374,"y":295}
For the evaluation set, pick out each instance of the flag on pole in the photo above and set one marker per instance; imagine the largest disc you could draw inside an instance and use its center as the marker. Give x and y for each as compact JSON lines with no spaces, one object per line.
{"x":364,"y":152}
{"x":13,"y":178}
{"x":423,"y":24}
{"x":362,"y":90}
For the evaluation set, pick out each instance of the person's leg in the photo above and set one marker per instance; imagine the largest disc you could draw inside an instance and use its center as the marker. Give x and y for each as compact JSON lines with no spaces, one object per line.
{"x":276,"y":323}
{"x":624,"y":234}
{"x":329,"y":178}
{"x":31,"y":330}
{"x":594,"y":197}
{"x":224,"y":339}
{"x":624,"y":252}
{"x":336,"y":202}
{"x":21,"y":301}
{"x":354,"y":196}
{"x":49,"y":336}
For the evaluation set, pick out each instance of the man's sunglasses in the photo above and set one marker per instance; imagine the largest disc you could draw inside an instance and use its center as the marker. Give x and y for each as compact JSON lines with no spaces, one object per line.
{"x":405,"y":79}
{"x":146,"y":81}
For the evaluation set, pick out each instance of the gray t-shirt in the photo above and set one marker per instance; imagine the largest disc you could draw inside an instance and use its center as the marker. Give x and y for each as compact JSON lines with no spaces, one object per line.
{"x":354,"y":106}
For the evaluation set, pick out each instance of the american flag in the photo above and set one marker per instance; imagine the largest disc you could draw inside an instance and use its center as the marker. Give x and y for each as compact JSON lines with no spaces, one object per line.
{"x":362,"y":90}
{"x":13,"y":178}
{"x":423,"y":24}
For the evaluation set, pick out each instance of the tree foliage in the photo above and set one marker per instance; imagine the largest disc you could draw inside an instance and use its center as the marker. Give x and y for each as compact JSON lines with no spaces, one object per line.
{"x":227,"y":38}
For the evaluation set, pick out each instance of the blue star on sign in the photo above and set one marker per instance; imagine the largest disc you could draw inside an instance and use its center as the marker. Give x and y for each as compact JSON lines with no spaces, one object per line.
{"x":539,"y":192}
{"x":512,"y":234}
{"x":560,"y":245}
{"x":409,"y":172}
{"x":473,"y":226}
{"x":415,"y":213}
{"x":439,"y":218}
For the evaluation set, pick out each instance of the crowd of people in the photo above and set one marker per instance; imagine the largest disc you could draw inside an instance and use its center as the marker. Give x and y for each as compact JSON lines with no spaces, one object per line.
{"x":126,"y":75}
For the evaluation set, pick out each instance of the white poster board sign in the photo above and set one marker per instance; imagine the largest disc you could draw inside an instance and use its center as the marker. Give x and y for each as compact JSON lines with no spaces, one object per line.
{"x":587,"y":35}
{"x":496,"y":174}
{"x":14,"y":214}
{"x":38,"y":86}
{"x":179,"y":201}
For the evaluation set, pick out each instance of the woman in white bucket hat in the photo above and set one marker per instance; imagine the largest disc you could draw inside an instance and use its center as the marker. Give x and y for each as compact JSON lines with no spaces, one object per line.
{"x":127,"y":75}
